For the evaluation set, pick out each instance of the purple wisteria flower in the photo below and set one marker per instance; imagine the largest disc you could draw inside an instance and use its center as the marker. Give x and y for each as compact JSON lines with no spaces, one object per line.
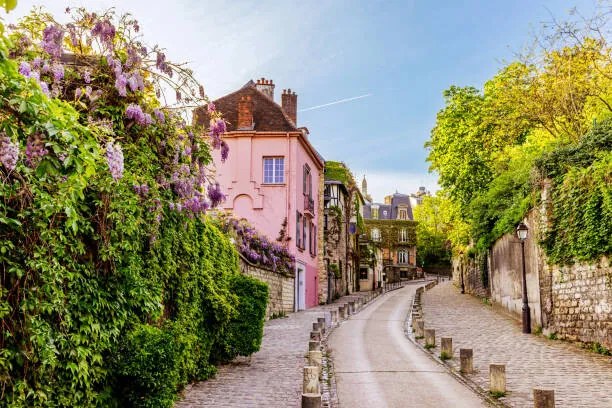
{"x":135,"y":113}
{"x":58,"y":72}
{"x":37,"y":63}
{"x":141,"y":189}
{"x":74,"y":40}
{"x":215,"y":195}
{"x":159,"y":115}
{"x":45,"y":88}
{"x":25,"y":69}
{"x":224,"y":151}
{"x":114,"y":158}
{"x":9,"y":152}
{"x":135,"y":82}
{"x":211,"y":107}
{"x":87,"y":76}
{"x":217,"y":128}
{"x":52,"y":40}
{"x":105,"y":31}
{"x":120,"y":84}
{"x":35,"y":150}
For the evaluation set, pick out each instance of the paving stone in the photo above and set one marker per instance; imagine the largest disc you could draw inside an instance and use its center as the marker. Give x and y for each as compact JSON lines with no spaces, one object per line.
{"x":272,"y":377}
{"x":579,"y":378}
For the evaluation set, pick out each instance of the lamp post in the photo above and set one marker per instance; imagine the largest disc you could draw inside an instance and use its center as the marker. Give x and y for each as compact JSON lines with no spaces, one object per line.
{"x":521,"y":233}
{"x":461,"y":269}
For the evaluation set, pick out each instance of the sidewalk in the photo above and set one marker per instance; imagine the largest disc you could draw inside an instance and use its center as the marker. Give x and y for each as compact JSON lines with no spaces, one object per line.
{"x":579,"y":378}
{"x":273,"y":376}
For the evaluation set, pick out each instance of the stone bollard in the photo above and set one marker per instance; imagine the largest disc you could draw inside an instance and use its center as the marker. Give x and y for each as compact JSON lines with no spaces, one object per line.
{"x":351,"y":307}
{"x":497,"y":378}
{"x":341,"y":312}
{"x":333,"y":316}
{"x":420,"y":328}
{"x":314,"y":345}
{"x":446,"y":351}
{"x":311,"y":400}
{"x":430,"y":338}
{"x":322,"y":324}
{"x":315,"y":358}
{"x":543,"y":398}
{"x":466,"y":356}
{"x":310,"y":384}
{"x":315,"y":335}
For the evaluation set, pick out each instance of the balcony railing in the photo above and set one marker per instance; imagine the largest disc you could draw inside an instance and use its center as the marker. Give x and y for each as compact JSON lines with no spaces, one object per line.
{"x":309,"y":204}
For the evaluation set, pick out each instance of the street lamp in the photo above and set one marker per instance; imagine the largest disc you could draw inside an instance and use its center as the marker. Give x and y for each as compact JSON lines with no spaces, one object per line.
{"x":461,"y":266}
{"x":521,"y":233}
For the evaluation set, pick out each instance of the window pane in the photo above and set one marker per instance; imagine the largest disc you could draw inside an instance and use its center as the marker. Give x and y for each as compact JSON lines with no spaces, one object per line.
{"x":279,"y":169}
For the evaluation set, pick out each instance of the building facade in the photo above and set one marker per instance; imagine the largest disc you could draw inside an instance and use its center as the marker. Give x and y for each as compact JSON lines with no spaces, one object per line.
{"x":343,"y":210}
{"x":272,"y":176}
{"x":391,"y":229}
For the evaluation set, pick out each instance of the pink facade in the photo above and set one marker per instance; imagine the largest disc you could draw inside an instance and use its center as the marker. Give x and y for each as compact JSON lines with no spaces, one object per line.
{"x":272,"y":176}
{"x":267,"y":205}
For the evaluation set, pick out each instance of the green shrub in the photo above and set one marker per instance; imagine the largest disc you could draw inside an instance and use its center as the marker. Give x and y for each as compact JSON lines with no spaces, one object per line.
{"x":243,"y":335}
{"x":149,"y":365}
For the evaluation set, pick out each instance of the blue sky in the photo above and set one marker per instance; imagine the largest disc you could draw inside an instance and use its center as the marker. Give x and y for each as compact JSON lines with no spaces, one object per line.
{"x":402,"y":53}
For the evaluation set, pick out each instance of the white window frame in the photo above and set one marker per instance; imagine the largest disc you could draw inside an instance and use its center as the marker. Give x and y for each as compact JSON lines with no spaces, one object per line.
{"x":275,"y":175}
{"x":375,"y":234}
{"x":403,"y":235}
{"x":402,"y":255}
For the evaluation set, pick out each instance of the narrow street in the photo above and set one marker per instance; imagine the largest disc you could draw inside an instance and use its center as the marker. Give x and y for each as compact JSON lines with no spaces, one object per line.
{"x":375,"y":365}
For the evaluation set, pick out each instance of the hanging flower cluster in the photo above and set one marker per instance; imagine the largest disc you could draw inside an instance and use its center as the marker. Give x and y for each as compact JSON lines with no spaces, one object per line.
{"x":257,"y":248}
{"x":75,"y":61}
{"x":9,"y":152}
{"x":114,"y":158}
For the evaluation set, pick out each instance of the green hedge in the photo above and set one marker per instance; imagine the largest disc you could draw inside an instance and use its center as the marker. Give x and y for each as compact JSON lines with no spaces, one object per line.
{"x":243,"y":335}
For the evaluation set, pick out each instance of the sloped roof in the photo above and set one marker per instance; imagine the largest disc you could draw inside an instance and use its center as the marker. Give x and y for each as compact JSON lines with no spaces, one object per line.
{"x":268,"y":116}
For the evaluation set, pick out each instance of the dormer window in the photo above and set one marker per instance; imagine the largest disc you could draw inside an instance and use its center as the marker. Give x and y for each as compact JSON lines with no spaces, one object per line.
{"x":374,"y":212}
{"x":402,"y":213}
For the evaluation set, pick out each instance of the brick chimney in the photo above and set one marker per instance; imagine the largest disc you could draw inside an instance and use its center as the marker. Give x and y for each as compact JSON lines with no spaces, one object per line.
{"x":289,"y":103}
{"x":265,"y":86}
{"x":245,"y":113}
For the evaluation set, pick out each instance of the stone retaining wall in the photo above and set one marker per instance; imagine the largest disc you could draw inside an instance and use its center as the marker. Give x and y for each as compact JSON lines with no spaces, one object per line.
{"x":280,"y":287}
{"x":582,"y":303}
{"x":574,"y":302}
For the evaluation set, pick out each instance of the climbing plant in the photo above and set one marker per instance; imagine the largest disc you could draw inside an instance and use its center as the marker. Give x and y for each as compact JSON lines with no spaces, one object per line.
{"x":115,"y":285}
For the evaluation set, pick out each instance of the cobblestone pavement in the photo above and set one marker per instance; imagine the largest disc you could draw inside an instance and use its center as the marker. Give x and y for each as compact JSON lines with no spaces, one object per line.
{"x":272,"y":377}
{"x":579,"y":378}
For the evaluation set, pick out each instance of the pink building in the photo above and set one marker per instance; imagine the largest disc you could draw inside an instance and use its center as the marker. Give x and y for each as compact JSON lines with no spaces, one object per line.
{"x":272,"y":174}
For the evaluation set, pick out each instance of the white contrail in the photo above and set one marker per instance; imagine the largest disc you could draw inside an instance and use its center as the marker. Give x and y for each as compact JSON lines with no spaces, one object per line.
{"x":335,"y":102}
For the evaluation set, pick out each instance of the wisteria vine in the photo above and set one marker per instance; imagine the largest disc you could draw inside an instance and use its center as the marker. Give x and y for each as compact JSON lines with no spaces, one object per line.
{"x":74,"y":62}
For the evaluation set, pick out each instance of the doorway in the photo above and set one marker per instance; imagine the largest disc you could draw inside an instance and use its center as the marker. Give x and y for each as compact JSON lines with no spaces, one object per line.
{"x":300,"y":287}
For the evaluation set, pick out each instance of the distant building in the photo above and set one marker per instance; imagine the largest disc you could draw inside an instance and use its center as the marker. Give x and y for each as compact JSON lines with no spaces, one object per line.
{"x":273,"y":175}
{"x":342,"y":214}
{"x":391,"y":228}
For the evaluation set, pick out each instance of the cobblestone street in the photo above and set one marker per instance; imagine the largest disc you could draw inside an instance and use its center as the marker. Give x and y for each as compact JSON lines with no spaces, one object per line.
{"x":579,"y":378}
{"x":273,"y":377}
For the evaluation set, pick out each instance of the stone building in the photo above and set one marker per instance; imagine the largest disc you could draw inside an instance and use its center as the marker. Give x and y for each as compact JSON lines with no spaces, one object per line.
{"x":272,"y":176}
{"x":343,"y":205}
{"x":391,"y":228}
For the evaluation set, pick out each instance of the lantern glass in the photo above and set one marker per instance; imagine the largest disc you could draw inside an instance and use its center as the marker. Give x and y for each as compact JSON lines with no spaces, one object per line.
{"x":521,"y":231}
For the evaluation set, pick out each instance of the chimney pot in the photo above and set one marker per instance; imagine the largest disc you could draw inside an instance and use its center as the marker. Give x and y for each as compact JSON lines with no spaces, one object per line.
{"x":266,"y":87}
